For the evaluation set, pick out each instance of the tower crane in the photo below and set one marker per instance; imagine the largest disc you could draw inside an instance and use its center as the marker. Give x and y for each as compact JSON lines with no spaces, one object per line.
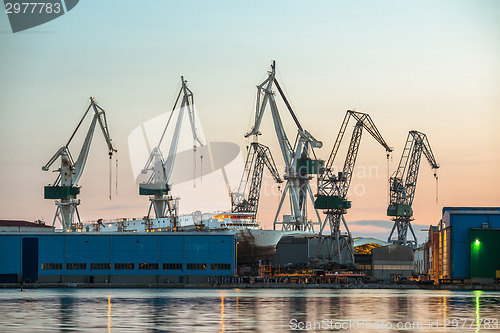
{"x":157,"y":186}
{"x":333,"y":188}
{"x":258,"y":157}
{"x":403,"y":183}
{"x":300,"y":159}
{"x":65,"y":189}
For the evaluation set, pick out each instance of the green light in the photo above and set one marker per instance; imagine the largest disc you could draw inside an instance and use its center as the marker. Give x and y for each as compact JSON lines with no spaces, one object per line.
{"x":477,"y":242}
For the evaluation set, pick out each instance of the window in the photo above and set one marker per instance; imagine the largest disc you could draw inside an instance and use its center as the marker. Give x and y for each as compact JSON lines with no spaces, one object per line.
{"x":52,"y":265}
{"x":100,"y":266}
{"x":124,"y":266}
{"x":220,"y":266}
{"x":172,"y":266}
{"x":196,"y":266}
{"x":148,"y":266}
{"x":76,"y":266}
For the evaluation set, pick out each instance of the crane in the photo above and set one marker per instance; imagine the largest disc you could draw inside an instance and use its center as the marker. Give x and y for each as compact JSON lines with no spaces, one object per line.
{"x":157,"y":186}
{"x":300,"y":159}
{"x":258,"y":157}
{"x":333,"y":188}
{"x":403,"y":183}
{"x":65,"y":189}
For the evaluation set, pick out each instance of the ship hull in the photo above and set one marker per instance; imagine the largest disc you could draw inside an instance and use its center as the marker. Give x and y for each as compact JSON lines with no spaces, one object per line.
{"x":250,"y":254}
{"x":254,"y":245}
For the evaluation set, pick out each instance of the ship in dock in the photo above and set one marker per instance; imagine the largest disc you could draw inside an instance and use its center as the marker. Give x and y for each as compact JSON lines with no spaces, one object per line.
{"x":253,"y":243}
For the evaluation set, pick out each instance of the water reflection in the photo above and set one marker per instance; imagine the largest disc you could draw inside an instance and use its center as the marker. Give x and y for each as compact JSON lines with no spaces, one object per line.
{"x":109,"y":314}
{"x":67,"y":316}
{"x":477,"y":306}
{"x":240,"y":310}
{"x":221,"y":322}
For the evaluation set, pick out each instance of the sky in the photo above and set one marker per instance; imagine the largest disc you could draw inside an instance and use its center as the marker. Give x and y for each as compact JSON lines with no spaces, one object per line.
{"x":412,"y":65}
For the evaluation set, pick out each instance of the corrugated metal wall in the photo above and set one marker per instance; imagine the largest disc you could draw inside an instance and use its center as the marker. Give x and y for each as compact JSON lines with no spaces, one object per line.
{"x":65,"y":257}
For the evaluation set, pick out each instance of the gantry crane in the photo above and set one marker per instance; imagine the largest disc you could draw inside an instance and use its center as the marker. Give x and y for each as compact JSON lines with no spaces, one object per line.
{"x":258,"y":157}
{"x":300,"y":159}
{"x":333,"y":188}
{"x":403,"y":183}
{"x":65,"y":189}
{"x":157,"y":186}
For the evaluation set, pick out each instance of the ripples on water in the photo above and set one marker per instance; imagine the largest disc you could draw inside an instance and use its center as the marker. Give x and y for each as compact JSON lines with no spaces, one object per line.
{"x":235,"y":310}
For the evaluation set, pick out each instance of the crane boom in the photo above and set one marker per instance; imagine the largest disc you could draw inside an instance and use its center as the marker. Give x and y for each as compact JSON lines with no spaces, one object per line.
{"x":258,"y":157}
{"x":403,"y":183}
{"x":331,"y":185}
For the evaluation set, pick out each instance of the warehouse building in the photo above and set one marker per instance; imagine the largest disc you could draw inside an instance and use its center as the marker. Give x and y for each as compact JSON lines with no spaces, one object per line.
{"x":392,"y":263}
{"x":116,"y":258}
{"x":458,"y":256}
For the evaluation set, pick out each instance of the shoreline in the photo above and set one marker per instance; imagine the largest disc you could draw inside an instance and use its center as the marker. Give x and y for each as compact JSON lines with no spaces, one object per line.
{"x":465,"y":287}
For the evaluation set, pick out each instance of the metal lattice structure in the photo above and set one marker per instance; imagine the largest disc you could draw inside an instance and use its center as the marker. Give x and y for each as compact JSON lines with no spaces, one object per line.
{"x":300,"y":160}
{"x":333,"y":189}
{"x":65,"y":189}
{"x":258,"y":157}
{"x":157,"y":186}
{"x":403,"y":183}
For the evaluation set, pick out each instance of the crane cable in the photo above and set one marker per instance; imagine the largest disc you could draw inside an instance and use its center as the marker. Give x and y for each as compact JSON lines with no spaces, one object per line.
{"x":110,"y":175}
{"x":437,"y":188}
{"x":388,"y":182}
{"x":116,"y":173}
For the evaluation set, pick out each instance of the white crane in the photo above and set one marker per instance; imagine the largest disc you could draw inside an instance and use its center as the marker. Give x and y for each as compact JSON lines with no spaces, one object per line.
{"x":157,"y":186}
{"x":65,"y":189}
{"x":298,"y":161}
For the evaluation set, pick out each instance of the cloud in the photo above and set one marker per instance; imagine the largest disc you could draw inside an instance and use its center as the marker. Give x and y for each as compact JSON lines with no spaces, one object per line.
{"x":384,"y":224}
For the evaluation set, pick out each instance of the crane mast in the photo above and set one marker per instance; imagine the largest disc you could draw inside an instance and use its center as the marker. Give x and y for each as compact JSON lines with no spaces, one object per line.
{"x":157,"y":186}
{"x":65,"y":189}
{"x":258,"y":157}
{"x":403,"y":183}
{"x":333,"y":189}
{"x":300,"y":160}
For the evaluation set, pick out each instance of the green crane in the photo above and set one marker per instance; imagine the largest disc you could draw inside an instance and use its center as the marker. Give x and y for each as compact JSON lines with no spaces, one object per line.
{"x":333,"y":188}
{"x":403,"y":183}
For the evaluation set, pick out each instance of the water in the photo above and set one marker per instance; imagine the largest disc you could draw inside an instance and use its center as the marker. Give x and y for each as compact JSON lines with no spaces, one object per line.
{"x":246,"y":310}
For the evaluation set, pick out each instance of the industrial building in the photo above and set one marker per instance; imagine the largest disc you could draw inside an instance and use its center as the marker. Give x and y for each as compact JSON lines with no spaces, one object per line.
{"x":116,"y":257}
{"x":466,"y":245}
{"x":24,"y":226}
{"x":392,"y":263}
{"x":301,"y":250}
